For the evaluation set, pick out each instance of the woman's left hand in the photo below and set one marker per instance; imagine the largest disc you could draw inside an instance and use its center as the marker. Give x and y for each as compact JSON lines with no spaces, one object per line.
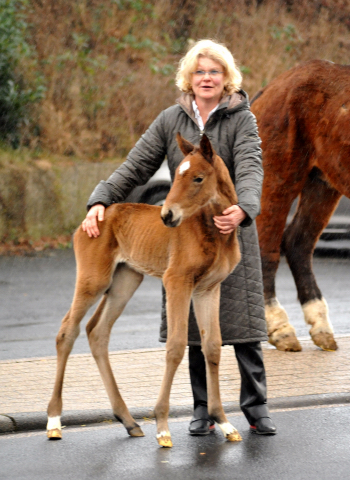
{"x":230,"y":220}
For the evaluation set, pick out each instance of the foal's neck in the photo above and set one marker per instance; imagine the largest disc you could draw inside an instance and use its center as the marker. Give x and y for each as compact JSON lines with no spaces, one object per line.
{"x":225,"y":197}
{"x":226,"y":191}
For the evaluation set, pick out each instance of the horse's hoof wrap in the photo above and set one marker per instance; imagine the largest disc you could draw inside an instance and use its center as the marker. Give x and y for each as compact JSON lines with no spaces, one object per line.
{"x":54,"y":434}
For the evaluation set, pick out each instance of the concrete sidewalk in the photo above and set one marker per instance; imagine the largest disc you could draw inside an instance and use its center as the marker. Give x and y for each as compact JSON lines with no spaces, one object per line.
{"x":311,"y":377}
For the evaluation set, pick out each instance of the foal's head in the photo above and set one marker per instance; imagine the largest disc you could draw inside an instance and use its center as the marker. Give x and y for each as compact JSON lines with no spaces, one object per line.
{"x":195,"y":183}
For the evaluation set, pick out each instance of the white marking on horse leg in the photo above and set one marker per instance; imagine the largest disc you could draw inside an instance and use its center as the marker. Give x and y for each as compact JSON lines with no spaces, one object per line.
{"x":230,"y":432}
{"x":316,"y":315}
{"x":164,"y":433}
{"x":321,"y":331}
{"x":53,"y":422}
{"x":276,"y":316}
{"x":53,"y":427}
{"x":227,"y":428}
{"x":184,"y":166}
{"x":164,"y":439}
{"x":281,"y":333}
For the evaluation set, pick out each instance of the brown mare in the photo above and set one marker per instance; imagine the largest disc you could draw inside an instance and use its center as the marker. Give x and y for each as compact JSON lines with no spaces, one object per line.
{"x":192,"y":260}
{"x":304,"y":122}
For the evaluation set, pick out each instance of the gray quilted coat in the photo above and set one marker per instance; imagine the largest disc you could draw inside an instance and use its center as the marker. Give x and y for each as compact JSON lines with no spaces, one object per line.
{"x":233,"y":132}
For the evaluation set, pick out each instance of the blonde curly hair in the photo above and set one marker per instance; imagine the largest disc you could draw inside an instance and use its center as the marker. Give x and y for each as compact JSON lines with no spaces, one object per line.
{"x":215,"y":51}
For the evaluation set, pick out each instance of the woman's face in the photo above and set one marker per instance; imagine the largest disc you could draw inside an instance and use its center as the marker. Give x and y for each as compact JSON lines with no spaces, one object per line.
{"x":206,"y":87}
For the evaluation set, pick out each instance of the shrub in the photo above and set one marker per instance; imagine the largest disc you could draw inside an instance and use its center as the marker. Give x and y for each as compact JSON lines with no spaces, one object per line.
{"x":17,"y":93}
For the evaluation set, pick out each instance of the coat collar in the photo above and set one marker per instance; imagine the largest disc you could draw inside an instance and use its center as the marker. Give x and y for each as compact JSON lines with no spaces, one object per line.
{"x":227,"y":102}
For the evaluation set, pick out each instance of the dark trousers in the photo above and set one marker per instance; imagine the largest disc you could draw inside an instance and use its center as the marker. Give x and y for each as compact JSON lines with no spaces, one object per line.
{"x":253,"y":379}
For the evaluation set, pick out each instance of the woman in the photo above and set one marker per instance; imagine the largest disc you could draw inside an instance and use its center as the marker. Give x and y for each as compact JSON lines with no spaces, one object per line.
{"x":212,"y":102}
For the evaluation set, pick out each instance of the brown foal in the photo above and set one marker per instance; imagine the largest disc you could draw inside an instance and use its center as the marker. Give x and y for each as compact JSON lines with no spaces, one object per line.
{"x":192,"y":260}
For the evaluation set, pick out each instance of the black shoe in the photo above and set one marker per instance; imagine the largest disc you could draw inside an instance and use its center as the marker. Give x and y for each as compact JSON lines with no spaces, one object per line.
{"x":264,"y":426}
{"x":201,"y":423}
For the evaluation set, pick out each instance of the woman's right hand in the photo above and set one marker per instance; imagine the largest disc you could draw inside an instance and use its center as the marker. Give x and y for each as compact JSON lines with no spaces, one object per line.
{"x":89,"y":225}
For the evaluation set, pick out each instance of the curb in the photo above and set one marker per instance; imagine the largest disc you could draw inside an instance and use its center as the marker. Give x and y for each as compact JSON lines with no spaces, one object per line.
{"x":23,"y":422}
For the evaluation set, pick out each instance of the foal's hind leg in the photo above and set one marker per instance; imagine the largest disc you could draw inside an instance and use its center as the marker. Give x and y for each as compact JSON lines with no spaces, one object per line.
{"x":317,"y":203}
{"x":86,"y":294}
{"x":124,"y":284}
{"x":95,"y":265}
{"x":206,"y":306}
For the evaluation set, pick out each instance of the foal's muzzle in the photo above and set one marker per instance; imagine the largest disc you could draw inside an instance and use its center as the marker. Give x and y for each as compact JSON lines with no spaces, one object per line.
{"x":170,"y":219}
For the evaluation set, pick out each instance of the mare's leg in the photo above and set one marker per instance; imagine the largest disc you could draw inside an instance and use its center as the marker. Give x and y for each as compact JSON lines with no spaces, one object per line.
{"x":124,"y":284}
{"x":275,"y":208}
{"x":206,"y":306}
{"x":178,"y":298}
{"x":87,"y":291}
{"x":317,"y":203}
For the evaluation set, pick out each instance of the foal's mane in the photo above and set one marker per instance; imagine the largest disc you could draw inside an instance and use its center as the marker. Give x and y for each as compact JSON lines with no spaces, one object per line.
{"x":224,"y":180}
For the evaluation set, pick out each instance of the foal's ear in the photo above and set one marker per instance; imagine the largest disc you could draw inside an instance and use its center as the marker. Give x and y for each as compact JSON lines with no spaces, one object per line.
{"x":185,"y":146}
{"x":206,"y":149}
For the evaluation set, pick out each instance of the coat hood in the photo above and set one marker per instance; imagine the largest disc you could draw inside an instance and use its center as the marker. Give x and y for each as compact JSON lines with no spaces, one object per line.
{"x":231,"y":103}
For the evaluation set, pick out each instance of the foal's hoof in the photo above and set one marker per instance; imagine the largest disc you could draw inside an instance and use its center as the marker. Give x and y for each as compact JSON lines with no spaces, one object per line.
{"x":164,"y":439}
{"x":230,"y":433}
{"x":136,"y":432}
{"x":325,"y":341}
{"x":54,"y":434}
{"x":234,"y":437}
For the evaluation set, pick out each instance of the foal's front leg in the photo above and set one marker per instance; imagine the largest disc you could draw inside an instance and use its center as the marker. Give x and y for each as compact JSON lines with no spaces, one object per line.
{"x":178,"y":298}
{"x":206,"y":306}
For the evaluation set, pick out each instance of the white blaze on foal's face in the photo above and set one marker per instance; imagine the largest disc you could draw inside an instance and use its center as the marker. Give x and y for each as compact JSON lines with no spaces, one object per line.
{"x":184,"y":166}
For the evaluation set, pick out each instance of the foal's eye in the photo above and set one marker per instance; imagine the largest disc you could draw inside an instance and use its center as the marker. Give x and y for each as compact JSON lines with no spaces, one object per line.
{"x":198,"y":180}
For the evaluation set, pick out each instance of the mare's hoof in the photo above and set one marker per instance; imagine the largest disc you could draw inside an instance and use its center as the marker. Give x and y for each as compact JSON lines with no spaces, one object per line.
{"x":164,"y":439}
{"x":281,"y":333}
{"x":54,"y":434}
{"x":234,"y":437}
{"x":288,"y":344}
{"x":325,"y":341}
{"x":136,"y":432}
{"x":285,"y":342}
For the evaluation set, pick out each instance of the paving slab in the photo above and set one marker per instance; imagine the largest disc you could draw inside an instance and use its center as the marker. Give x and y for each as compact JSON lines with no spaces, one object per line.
{"x":310,"y":377}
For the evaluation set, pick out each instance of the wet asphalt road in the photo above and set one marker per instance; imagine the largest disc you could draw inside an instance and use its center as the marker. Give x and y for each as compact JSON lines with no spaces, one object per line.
{"x":311,"y":444}
{"x":35,"y":294}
